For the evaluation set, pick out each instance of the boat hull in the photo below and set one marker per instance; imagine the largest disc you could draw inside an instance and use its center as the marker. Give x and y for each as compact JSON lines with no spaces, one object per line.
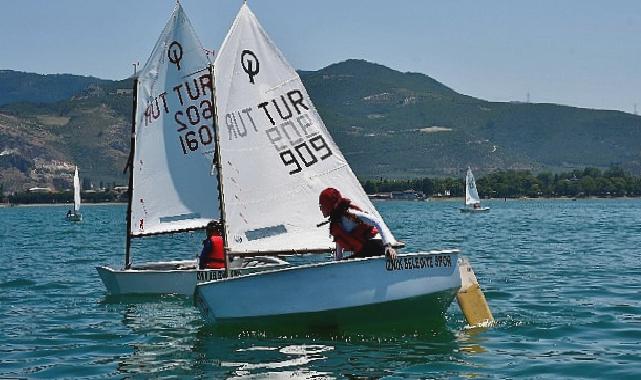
{"x":474,"y":210}
{"x":336,"y":292}
{"x":407,"y":316}
{"x":173,"y":277}
{"x":74,"y":217}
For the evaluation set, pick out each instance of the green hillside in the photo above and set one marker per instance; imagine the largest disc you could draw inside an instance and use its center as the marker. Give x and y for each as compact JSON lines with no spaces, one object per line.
{"x":16,"y":86}
{"x":418,"y":126}
{"x":387,"y":123}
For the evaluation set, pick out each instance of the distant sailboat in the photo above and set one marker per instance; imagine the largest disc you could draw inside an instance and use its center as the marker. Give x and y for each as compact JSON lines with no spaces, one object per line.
{"x":172,"y":188}
{"x":75,"y":215}
{"x":472,"y":199}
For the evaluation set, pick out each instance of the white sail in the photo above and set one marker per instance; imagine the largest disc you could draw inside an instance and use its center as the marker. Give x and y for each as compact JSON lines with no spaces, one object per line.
{"x":173,"y":187}
{"x":277,"y":155}
{"x":471,"y":195}
{"x":76,"y":191}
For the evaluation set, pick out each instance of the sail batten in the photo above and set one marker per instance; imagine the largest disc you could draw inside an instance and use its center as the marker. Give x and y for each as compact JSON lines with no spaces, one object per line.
{"x":173,"y":187}
{"x":271,"y":134}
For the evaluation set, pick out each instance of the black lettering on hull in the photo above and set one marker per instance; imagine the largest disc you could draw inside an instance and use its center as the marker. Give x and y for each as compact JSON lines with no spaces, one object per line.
{"x":419,"y":262}
{"x":214,"y":274}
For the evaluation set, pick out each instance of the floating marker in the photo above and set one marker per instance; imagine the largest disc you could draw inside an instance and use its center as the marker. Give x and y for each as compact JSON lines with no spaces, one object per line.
{"x":470,"y":297}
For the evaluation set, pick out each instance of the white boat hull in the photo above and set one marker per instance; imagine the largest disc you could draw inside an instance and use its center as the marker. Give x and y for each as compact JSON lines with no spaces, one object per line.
{"x":174,"y":277}
{"x":74,"y":217}
{"x":331,"y":288}
{"x":473,"y":210}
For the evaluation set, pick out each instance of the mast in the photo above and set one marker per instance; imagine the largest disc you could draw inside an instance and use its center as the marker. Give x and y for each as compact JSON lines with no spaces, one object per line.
{"x":219,"y":171}
{"x":130,"y":166}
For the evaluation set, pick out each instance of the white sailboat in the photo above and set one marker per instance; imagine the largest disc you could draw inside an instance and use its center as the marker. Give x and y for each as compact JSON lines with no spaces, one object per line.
{"x":276,"y":157}
{"x":171,"y":187}
{"x":472,"y":199}
{"x":75,"y":215}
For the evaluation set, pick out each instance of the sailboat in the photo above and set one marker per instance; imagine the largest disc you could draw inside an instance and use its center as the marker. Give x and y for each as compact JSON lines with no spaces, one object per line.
{"x":75,"y":215}
{"x":172,"y":188}
{"x":275,"y":157}
{"x":472,"y":199}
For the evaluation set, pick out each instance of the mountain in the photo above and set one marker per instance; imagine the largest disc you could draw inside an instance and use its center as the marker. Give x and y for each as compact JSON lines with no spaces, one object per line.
{"x":387,"y":123}
{"x":89,"y":128}
{"x":408,"y":124}
{"x":16,"y":86}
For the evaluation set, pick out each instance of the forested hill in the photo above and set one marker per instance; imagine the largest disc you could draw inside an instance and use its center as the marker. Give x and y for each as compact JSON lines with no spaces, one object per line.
{"x":387,"y":123}
{"x":16,"y":86}
{"x":418,"y":126}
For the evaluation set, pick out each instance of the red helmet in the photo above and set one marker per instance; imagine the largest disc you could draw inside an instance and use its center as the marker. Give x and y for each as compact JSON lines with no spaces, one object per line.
{"x":329,"y":198}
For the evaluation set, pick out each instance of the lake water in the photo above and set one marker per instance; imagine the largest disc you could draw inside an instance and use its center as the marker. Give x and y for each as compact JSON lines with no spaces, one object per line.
{"x":563,"y":280}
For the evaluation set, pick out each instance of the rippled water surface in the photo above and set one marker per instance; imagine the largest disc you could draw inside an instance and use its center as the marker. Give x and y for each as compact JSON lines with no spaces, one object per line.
{"x":562,"y":278}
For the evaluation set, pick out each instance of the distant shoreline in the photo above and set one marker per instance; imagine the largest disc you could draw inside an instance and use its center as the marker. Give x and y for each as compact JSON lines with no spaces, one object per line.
{"x":461,"y":199}
{"x":7,"y":205}
{"x":426,"y":200}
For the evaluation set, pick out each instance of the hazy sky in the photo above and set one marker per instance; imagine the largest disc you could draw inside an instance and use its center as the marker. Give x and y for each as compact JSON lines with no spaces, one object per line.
{"x":584,"y":53}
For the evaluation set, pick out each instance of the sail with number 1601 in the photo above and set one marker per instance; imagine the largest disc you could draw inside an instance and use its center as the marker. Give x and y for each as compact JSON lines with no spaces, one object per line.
{"x":172,"y":186}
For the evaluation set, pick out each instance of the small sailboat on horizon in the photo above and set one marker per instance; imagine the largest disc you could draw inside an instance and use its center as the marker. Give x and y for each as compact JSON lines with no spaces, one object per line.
{"x":472,"y":199}
{"x":75,"y":215}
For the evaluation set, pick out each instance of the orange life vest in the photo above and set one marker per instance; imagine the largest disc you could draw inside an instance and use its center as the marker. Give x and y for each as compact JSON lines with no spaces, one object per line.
{"x":354,"y":240}
{"x":215,"y":259}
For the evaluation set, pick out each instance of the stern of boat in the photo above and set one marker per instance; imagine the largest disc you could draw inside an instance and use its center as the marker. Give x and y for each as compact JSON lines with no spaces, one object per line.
{"x":173,"y":277}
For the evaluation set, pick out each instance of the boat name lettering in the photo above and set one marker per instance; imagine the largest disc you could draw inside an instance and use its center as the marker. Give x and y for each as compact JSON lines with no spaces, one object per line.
{"x":307,"y":157}
{"x":192,"y":90}
{"x":295,"y":98}
{"x":419,"y":262}
{"x":238,"y":121}
{"x":193,"y":112}
{"x":153,"y":108}
{"x":210,"y":275}
{"x":196,"y":112}
{"x":289,"y":129}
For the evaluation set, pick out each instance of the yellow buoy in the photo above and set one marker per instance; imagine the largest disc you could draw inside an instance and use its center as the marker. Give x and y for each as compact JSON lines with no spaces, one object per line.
{"x":471,"y":299}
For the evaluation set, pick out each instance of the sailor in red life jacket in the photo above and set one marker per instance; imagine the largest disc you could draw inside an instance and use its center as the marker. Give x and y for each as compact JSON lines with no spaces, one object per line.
{"x":213,"y":254}
{"x":353,"y":229}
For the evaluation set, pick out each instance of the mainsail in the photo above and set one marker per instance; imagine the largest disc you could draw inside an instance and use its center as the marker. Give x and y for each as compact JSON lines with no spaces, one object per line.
{"x":173,"y":187}
{"x":76,"y":191}
{"x":471,"y":195}
{"x":277,"y":155}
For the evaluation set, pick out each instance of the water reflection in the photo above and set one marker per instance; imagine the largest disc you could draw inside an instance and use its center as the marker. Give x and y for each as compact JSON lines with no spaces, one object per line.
{"x":161,"y":331}
{"x":168,"y":337}
{"x":290,"y":361}
{"x":471,"y":339}
{"x":325,"y":354}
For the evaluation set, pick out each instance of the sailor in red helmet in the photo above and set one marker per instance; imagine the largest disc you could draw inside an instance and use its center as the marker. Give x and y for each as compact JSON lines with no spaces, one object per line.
{"x":353,"y":229}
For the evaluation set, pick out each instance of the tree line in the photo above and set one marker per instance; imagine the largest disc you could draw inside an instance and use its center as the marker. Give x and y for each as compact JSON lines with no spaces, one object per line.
{"x":613,"y":182}
{"x":66,"y":197}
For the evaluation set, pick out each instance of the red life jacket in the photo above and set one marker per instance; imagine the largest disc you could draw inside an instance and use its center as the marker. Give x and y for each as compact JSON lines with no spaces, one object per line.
{"x":215,"y":258}
{"x":355,"y":240}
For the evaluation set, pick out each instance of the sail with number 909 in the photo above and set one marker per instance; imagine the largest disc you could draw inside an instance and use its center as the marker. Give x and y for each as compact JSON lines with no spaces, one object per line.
{"x":277,"y":155}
